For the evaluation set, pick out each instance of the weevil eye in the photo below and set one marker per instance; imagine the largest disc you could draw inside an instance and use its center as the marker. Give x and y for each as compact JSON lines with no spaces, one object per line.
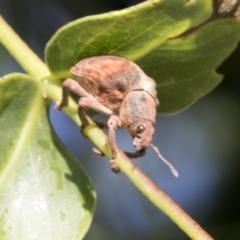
{"x":140,"y":129}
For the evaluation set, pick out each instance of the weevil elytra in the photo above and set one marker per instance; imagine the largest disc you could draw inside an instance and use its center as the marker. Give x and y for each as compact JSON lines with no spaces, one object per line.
{"x":117,"y":87}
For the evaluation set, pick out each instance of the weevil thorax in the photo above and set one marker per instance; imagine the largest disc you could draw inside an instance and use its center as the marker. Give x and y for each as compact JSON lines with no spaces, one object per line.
{"x":148,"y":84}
{"x":138,"y":115}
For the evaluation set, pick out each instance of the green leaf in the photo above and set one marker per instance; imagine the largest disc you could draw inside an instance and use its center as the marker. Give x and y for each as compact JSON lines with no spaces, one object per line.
{"x":186,"y":65}
{"x":172,"y":40}
{"x":132,"y":32}
{"x":44,"y":192}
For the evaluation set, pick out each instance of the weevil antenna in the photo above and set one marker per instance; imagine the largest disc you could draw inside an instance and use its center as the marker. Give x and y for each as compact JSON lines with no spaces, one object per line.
{"x":173,"y":170}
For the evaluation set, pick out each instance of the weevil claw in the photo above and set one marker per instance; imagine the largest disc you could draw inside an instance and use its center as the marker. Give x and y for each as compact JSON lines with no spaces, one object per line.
{"x":58,"y":106}
{"x":98,"y":152}
{"x":82,"y":132}
{"x":114,"y":166}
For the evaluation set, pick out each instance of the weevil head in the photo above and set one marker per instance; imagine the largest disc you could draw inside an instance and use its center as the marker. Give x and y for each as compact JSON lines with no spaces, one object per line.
{"x":142,"y":132}
{"x":138,"y":115}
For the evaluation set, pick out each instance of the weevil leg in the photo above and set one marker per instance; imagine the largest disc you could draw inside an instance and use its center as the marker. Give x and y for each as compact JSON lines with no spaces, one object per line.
{"x":135,"y":154}
{"x":86,"y":100}
{"x":128,"y":154}
{"x":104,"y":125}
{"x":98,"y":152}
{"x":101,"y":125}
{"x":113,"y":164}
{"x":92,"y":103}
{"x":73,"y":86}
{"x":113,"y":124}
{"x":83,"y":118}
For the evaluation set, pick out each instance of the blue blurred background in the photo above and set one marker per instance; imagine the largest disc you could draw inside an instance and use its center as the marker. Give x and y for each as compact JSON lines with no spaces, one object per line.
{"x":202,"y":142}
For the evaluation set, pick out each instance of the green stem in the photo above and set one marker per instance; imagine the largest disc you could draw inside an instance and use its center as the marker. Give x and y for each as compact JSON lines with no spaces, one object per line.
{"x":33,"y":65}
{"x":148,"y":188}
{"x":21,"y":52}
{"x":38,"y":70}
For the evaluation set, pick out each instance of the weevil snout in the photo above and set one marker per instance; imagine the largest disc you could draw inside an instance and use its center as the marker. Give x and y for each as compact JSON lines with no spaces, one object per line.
{"x":140,"y":149}
{"x":140,"y":145}
{"x":142,"y":135}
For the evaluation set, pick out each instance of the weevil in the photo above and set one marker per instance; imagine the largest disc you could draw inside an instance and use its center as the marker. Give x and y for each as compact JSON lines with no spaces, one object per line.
{"x":115,"y":86}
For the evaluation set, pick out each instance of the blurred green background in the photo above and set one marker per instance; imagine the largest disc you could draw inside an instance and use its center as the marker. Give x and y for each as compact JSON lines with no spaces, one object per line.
{"x":202,"y":142}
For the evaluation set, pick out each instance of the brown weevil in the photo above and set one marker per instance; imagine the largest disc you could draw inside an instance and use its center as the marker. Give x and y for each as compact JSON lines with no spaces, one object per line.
{"x":115,"y":86}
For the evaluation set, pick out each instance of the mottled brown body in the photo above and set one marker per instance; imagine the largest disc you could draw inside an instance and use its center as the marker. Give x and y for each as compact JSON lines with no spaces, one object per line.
{"x":109,"y":78}
{"x":115,"y":86}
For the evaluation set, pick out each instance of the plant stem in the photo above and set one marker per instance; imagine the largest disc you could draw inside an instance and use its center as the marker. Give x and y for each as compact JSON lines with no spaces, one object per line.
{"x":148,"y":188}
{"x":38,"y":70}
{"x":29,"y":61}
{"x":32,"y":64}
{"x":162,"y":201}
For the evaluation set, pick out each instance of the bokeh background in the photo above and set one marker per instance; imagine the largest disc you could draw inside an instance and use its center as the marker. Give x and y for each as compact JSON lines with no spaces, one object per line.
{"x":202,"y":142}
